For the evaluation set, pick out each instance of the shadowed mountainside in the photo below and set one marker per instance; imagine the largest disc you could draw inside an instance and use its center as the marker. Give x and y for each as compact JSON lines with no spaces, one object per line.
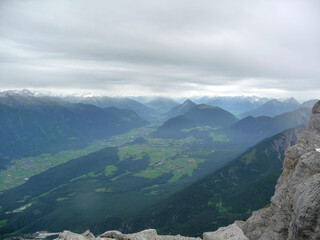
{"x":231,"y":193}
{"x":32,"y":125}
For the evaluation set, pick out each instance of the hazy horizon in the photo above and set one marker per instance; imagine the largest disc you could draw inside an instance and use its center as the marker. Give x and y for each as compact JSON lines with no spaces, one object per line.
{"x":143,"y":98}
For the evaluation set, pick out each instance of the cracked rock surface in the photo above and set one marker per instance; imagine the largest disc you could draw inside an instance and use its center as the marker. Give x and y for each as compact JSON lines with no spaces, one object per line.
{"x":294,"y":212}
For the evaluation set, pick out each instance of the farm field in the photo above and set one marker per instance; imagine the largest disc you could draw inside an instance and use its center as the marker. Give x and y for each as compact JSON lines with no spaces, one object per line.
{"x":103,"y":176}
{"x":166,"y":155}
{"x":20,"y":170}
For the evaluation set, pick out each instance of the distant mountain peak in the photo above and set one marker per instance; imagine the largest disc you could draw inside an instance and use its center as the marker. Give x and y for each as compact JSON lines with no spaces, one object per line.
{"x":273,"y":108}
{"x":293,"y":100}
{"x":309,"y":103}
{"x":23,"y":92}
{"x":188,"y":101}
{"x":290,"y":100}
{"x":182,"y":108}
{"x":26,"y":92}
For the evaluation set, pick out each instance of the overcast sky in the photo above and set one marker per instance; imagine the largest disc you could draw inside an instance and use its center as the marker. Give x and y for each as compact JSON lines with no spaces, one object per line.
{"x":167,"y":47}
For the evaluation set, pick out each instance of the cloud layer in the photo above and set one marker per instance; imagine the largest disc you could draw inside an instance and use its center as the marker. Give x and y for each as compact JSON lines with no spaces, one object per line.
{"x":169,"y":47}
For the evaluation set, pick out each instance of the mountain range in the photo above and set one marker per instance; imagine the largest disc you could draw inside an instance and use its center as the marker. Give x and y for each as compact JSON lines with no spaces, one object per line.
{"x":32,"y":125}
{"x":254,"y":129}
{"x":273,"y":108}
{"x":186,"y":172}
{"x":190,"y":115}
{"x":153,"y":108}
{"x":93,"y":192}
{"x":235,"y":105}
{"x":236,"y":189}
{"x":118,"y":102}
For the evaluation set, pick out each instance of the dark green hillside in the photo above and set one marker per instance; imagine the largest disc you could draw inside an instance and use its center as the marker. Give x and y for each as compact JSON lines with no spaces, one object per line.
{"x":211,"y":116}
{"x":86,"y":192}
{"x":106,"y":188}
{"x":231,"y":193}
{"x":252,"y":130}
{"x":24,"y":133}
{"x":46,"y":127}
{"x":273,"y":108}
{"x":172,"y":127}
{"x":118,"y":102}
{"x":203,"y":114}
{"x":198,"y":120}
{"x":236,"y":105}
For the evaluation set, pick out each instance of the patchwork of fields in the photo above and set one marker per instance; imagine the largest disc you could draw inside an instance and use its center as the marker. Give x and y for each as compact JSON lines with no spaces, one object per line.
{"x":165,"y":155}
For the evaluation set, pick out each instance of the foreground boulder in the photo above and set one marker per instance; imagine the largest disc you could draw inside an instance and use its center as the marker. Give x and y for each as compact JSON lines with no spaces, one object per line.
{"x":231,"y":232}
{"x":149,"y":234}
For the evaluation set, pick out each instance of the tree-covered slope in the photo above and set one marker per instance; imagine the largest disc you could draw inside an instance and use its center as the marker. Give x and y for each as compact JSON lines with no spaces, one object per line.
{"x":231,"y":193}
{"x":172,"y":127}
{"x":104,"y":189}
{"x":236,"y":104}
{"x":194,"y":116}
{"x":33,"y":127}
{"x":211,"y":115}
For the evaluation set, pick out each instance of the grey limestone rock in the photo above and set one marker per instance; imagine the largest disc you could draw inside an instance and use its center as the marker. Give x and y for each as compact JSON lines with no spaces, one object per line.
{"x":231,"y":232}
{"x":143,"y":235}
{"x":66,"y":235}
{"x":306,"y":206}
{"x":316,"y":108}
{"x":295,"y":207}
{"x":113,"y":234}
{"x":149,"y":234}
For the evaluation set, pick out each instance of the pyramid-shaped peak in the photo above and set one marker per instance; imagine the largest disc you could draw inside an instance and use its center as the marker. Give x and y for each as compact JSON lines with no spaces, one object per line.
{"x":189,"y":102}
{"x":292,"y":100}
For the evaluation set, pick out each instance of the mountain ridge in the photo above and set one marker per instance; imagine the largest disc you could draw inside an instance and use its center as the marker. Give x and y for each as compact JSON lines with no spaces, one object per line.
{"x":273,"y":108}
{"x":34,"y":125}
{"x":258,"y":128}
{"x":181,"y":109}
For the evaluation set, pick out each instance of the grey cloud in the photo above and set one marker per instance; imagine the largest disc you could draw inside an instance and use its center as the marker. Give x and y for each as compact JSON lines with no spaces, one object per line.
{"x":161,"y":46}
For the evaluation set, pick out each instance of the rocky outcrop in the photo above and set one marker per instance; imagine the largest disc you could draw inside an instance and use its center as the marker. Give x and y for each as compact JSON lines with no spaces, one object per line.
{"x":150,"y":234}
{"x":294,"y":212}
{"x":231,"y":232}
